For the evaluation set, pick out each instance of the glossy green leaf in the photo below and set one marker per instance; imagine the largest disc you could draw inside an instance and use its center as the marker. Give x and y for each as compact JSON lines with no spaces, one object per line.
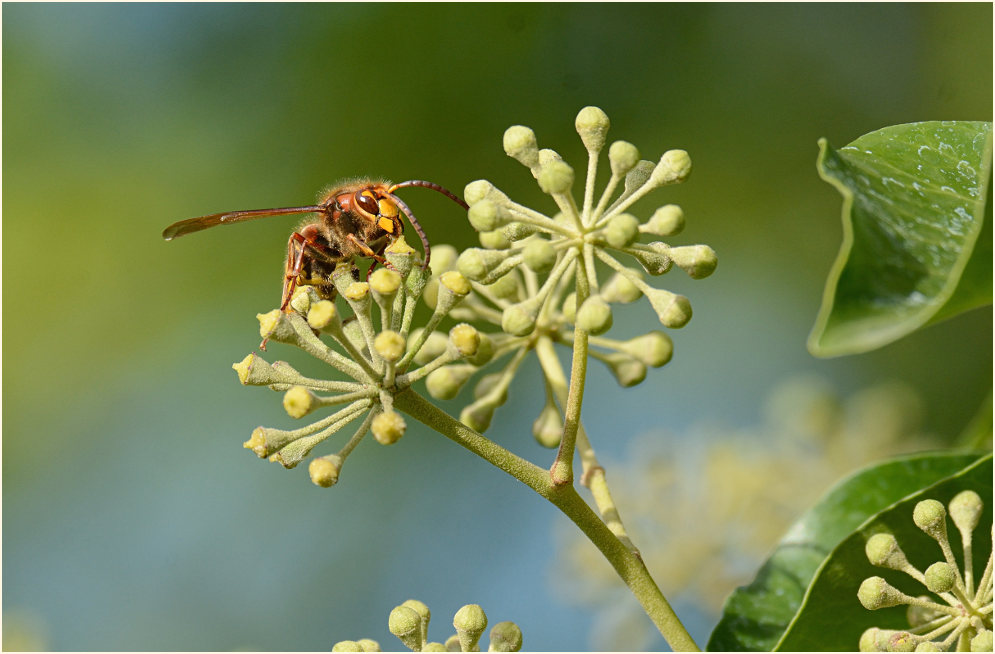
{"x":917,"y":240}
{"x":757,"y":616}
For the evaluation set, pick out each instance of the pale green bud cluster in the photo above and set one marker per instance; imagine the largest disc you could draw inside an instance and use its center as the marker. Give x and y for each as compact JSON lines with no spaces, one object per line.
{"x":958,"y":615}
{"x":374,"y":346}
{"x":410,"y":621}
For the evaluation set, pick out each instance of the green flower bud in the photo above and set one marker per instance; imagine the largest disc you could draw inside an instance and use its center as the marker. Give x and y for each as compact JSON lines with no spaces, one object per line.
{"x":698,"y":261}
{"x":254,"y":371}
{"x":298,"y":401}
{"x":275,"y":326}
{"x":505,"y":637}
{"x":434,"y":647}
{"x":556,"y":178}
{"x":623,"y":156}
{"x":673,"y":310}
{"x":622,"y":230}
{"x":626,"y":369}
{"x":495,"y":240}
{"x":883,"y":551}
{"x":476,"y":191}
{"x":594,"y":316}
{"x":940,"y":577}
{"x":505,"y":288}
{"x":539,"y":255}
{"x":520,"y":319}
{"x":653,"y":349}
{"x":965,"y":510}
{"x":485,"y":351}
{"x":388,"y":427}
{"x":488,"y":383}
{"x":931,"y":517}
{"x":400,"y":255}
{"x":324,"y":471}
{"x":470,"y":622}
{"x":517,"y":231}
{"x":422,"y":610}
{"x":619,"y":289}
{"x":520,"y":144}
{"x":592,"y":124}
{"x":347,"y":646}
{"x":301,"y":300}
{"x":385,"y":282}
{"x":452,"y":644}
{"x":548,"y":427}
{"x":655,"y":262}
{"x":548,"y":156}
{"x":476,"y":263}
{"x":369,"y":645}
{"x":569,"y":308}
{"x":928,"y":646}
{"x":982,"y":642}
{"x":390,"y":345}
{"x":876,"y":593}
{"x":405,"y":623}
{"x":674,"y":167}
{"x":455,"y":282}
{"x":435,"y":345}
{"x":666,"y":221}
{"x":478,"y":416}
{"x":445,"y":383}
{"x":443,"y":258}
{"x":257,"y":443}
{"x":868,"y":640}
{"x":465,"y":339}
{"x":902,"y":641}
{"x":324,"y":315}
{"x":484,"y":216}
{"x":638,"y":176}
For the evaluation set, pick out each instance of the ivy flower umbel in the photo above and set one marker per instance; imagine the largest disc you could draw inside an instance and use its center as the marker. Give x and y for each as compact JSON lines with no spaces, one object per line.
{"x":376,"y":354}
{"x":963,"y":620}
{"x":538,"y":279}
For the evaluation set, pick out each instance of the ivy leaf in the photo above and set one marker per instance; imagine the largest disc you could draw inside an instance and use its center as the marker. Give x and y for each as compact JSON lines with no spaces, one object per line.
{"x":757,"y":616}
{"x":917,"y":239}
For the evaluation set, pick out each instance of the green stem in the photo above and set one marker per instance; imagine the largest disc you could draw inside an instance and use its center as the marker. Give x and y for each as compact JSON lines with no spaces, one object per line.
{"x":565,"y":497}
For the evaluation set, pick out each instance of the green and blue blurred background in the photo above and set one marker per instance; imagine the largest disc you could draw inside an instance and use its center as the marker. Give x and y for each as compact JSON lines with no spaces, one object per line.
{"x":132,"y":517}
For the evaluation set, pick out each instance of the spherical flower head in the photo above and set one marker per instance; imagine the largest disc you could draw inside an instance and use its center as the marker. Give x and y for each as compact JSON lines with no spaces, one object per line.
{"x":520,"y":143}
{"x":324,"y":471}
{"x":390,"y":345}
{"x":388,"y":427}
{"x":592,"y":124}
{"x":623,"y":157}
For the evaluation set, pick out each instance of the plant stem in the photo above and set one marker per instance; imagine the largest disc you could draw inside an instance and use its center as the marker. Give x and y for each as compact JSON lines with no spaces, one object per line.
{"x":565,"y":497}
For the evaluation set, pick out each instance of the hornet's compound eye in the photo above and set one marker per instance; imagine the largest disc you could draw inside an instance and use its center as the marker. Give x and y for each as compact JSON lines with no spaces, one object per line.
{"x":367,"y":202}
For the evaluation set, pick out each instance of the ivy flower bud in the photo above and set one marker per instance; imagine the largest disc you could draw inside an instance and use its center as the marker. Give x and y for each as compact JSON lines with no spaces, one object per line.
{"x":556,"y":178}
{"x":400,"y":255}
{"x":569,"y":308}
{"x":298,"y":401}
{"x":674,"y":167}
{"x":323,"y":315}
{"x":476,"y":263}
{"x":324,"y":471}
{"x":673,"y":310}
{"x":255,"y":371}
{"x":484,"y":216}
{"x":665,"y":221}
{"x":470,"y":622}
{"x":443,"y":258}
{"x":494,"y":240}
{"x":539,"y":255}
{"x":422,"y":610}
{"x":548,"y":427}
{"x":487,"y":383}
{"x":929,"y":646}
{"x":520,"y":319}
{"x":301,"y":300}
{"x":505,"y":288}
{"x":876,"y":593}
{"x":940,"y":577}
{"x":385,"y":282}
{"x":478,"y":416}
{"x":592,"y":124}
{"x":481,"y":189}
{"x":388,"y":427}
{"x":883,"y":551}
{"x":369,"y":645}
{"x":357,"y":292}
{"x":520,"y":144}
{"x":698,"y":261}
{"x":435,"y":345}
{"x":390,"y":345}
{"x":931,"y":517}
{"x":505,"y":637}
{"x":622,"y":156}
{"x":452,"y":644}
{"x":638,"y":176}
{"x":619,"y":289}
{"x":868,"y":640}
{"x":655,"y":261}
{"x":965,"y":510}
{"x":627,"y":370}
{"x":902,"y":641}
{"x":654,"y":349}
{"x":405,"y":623}
{"x":347,"y":646}
{"x":594,"y":316}
{"x":465,"y":339}
{"x":485,"y":351}
{"x":982,"y":642}
{"x":445,"y":383}
{"x":455,"y":282}
{"x":275,"y":326}
{"x":622,"y":230}
{"x":517,"y":231}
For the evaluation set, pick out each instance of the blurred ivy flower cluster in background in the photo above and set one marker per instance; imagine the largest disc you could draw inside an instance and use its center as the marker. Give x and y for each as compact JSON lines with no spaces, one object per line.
{"x":705,"y":519}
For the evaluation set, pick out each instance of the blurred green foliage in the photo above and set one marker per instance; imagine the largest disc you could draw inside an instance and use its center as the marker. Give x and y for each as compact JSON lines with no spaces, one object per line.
{"x":134,"y":520}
